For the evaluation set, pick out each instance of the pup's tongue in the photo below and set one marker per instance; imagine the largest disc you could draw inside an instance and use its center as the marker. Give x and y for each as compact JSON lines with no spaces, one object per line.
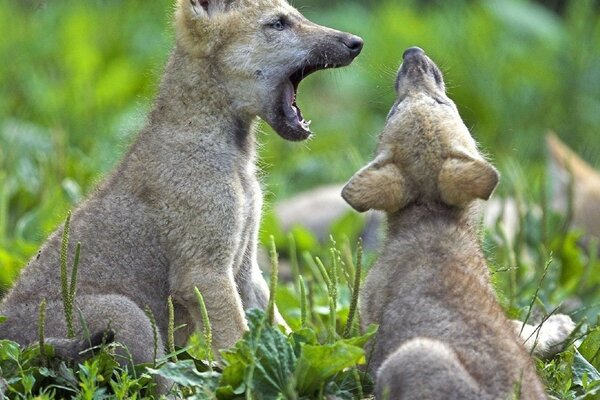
{"x":289,"y":108}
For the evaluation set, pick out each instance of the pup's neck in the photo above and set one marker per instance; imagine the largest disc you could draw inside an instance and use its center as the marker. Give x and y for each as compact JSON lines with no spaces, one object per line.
{"x":418,"y":216}
{"x":193,"y":105}
{"x":436,"y":239}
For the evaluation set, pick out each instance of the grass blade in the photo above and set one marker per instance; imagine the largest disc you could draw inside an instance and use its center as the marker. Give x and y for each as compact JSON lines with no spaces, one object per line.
{"x":273,"y":282}
{"x":355,"y":291}
{"x":171,"y":330}
{"x":207,"y":328}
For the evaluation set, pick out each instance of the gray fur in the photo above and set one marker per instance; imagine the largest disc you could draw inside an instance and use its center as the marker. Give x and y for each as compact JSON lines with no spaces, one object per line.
{"x":182,"y":209}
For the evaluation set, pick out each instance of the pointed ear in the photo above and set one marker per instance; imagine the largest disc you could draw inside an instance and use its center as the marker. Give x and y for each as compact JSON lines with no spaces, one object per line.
{"x":378,"y":186}
{"x":202,"y":8}
{"x":465,"y":179}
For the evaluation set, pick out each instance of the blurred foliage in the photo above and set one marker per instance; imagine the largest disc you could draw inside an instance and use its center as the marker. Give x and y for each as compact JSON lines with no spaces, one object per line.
{"x":77,"y":78}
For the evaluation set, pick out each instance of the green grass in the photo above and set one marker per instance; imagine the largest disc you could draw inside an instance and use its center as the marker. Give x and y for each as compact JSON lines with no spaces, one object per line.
{"x":321,"y":357}
{"x":81,"y":76}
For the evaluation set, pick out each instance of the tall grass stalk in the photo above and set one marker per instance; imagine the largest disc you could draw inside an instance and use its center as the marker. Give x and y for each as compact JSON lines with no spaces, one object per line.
{"x":273,"y":281}
{"x":311,"y":288}
{"x":355,"y":290}
{"x":64,"y":249}
{"x":535,"y":295}
{"x":68,"y":288}
{"x":334,"y":275}
{"x":41,"y":329}
{"x":152,"y":319}
{"x":3,"y":205}
{"x":303,"y":302}
{"x":208,"y":339}
{"x":294,"y":261}
{"x":349,"y":266}
{"x":332,"y":294}
{"x":171,"y":330}
{"x":511,"y":259}
{"x":74,"y":269}
{"x":84,"y":327}
{"x":316,"y":273}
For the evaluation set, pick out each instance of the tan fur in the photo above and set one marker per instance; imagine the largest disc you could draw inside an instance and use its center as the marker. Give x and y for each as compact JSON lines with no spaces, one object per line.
{"x":182,"y":209}
{"x":441,"y":332}
{"x":573,"y":178}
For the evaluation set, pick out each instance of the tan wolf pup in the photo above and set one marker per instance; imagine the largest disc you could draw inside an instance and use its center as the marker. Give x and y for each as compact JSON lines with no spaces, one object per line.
{"x":442,"y":334}
{"x":182,"y":209}
{"x":574,"y":181}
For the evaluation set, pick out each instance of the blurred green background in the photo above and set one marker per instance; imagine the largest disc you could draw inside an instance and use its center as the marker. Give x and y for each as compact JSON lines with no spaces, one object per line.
{"x":76,"y":79}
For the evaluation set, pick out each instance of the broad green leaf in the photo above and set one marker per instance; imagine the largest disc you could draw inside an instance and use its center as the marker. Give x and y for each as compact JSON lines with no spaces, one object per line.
{"x":316,"y":364}
{"x":302,"y":337}
{"x":583,"y":371}
{"x":28,"y":381}
{"x":590,"y":347}
{"x":185,"y":373}
{"x":360,"y":341}
{"x":9,"y":350}
{"x":228,"y":392}
{"x":264,"y":359}
{"x":33,"y":351}
{"x":276,"y":361}
{"x":235,"y":367}
{"x":67,"y":376}
{"x":47,"y":372}
{"x":2,"y":319}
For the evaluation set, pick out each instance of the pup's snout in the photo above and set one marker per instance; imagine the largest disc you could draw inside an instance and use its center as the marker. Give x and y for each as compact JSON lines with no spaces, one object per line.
{"x":412,"y":51}
{"x":353,"y":43}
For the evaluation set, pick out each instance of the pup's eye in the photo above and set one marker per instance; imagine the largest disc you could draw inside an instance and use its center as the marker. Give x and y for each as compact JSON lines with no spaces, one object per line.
{"x":279,"y":25}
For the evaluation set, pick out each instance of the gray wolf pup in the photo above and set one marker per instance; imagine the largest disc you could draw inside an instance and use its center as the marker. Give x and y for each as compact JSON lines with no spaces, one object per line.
{"x":182,"y":209}
{"x":442,"y":334}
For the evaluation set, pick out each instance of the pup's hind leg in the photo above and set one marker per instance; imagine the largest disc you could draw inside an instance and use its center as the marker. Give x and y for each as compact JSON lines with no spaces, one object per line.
{"x":123,"y":317}
{"x":126,"y":319}
{"x":423,"y":369}
{"x":104,"y":315}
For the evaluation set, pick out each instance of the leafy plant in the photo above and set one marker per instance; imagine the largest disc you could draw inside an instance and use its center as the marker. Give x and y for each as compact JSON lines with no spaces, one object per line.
{"x":80,"y":79}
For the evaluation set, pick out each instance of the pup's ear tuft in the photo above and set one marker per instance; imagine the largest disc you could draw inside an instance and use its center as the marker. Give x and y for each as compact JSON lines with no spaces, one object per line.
{"x":379,"y":186}
{"x":465,"y":179}
{"x":202,"y":8}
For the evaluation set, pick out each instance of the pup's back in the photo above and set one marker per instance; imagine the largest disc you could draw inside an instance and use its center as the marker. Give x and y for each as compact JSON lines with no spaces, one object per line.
{"x":442,"y":333}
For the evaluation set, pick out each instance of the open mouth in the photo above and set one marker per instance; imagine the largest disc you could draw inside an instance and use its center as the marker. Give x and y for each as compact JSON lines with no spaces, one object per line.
{"x":295,"y":121}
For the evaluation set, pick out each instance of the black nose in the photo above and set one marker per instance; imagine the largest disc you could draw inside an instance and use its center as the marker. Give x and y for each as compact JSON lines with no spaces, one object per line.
{"x":412,"y":51}
{"x":354,"y":43}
